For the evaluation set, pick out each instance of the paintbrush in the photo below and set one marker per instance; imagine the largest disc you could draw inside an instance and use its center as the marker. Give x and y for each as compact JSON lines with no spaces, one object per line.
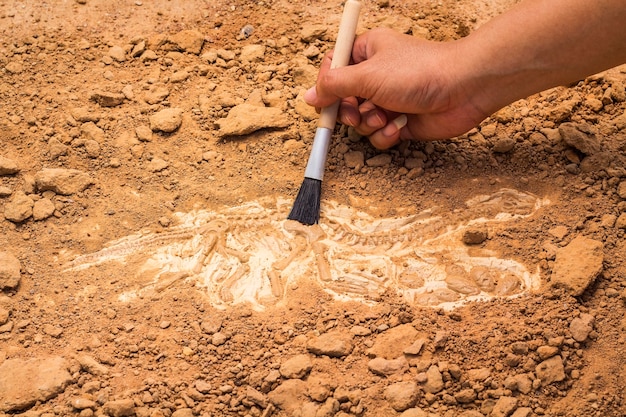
{"x":306,"y":207}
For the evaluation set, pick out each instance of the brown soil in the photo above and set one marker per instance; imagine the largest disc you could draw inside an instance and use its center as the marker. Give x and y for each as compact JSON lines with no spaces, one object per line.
{"x":158,"y":351}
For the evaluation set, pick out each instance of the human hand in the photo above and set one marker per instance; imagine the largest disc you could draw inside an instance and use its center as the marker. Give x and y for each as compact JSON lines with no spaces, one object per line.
{"x":399,"y":87}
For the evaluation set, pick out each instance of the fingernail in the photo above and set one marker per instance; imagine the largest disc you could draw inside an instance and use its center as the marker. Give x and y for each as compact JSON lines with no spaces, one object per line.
{"x":309,"y":95}
{"x":374,"y":120}
{"x":395,"y":125}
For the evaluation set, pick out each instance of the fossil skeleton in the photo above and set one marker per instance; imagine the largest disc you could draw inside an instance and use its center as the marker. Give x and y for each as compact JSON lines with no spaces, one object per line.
{"x":250,"y":253}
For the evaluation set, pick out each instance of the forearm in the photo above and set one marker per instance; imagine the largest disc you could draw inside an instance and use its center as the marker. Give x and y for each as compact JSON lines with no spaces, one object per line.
{"x":539,"y":44}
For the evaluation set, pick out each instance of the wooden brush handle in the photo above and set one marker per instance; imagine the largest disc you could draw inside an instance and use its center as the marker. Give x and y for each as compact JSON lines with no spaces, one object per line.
{"x":341,"y":55}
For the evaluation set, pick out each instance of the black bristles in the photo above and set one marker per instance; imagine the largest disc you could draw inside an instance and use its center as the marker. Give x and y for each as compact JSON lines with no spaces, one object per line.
{"x":306,"y":207}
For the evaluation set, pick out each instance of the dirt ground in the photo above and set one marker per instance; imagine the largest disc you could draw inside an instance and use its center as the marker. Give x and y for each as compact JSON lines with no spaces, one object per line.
{"x":143,"y":196}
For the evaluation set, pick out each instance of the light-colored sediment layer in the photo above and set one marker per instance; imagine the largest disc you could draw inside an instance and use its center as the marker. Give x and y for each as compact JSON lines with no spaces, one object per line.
{"x":251,"y":254}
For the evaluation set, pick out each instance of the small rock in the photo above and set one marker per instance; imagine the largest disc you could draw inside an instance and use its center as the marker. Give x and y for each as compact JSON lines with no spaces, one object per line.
{"x":107,"y":99}
{"x":62,"y":181}
{"x":182,"y":412}
{"x":117,"y":53}
{"x":334,"y":344}
{"x":379,"y":160}
{"x":465,"y":396}
{"x":504,"y":407}
{"x":478,"y":374}
{"x":289,"y":395}
{"x":546,"y":352}
{"x":414,"y":412}
{"x":354,"y":159}
{"x":179,"y":76}
{"x":402,"y":395}
{"x":92,"y":366}
{"x":202,"y":386}
{"x":475,"y":235}
{"x":219,"y":339}
{"x":252,"y":53}
{"x":296,"y":367}
{"x":9,"y":271}
{"x":43,"y":209}
{"x":91,"y":131}
{"x":14,"y":67}
{"x":388,"y":367}
{"x":157,"y":165}
{"x":53,"y":331}
{"x":188,"y":41}
{"x":312,"y":32}
{"x":19,"y":208}
{"x":256,"y":397}
{"x":156,"y":94}
{"x":391,"y":343}
{"x":81,"y":403}
{"x":620,"y":223}
{"x":245,"y":118}
{"x":8,"y":166}
{"x":580,"y":327}
{"x":577,"y":265}
{"x":503,"y":145}
{"x":434,"y":382}
{"x":621,"y":189}
{"x":144,"y":133}
{"x":4,"y":313}
{"x":119,"y":408}
{"x":581,"y":137}
{"x":84,"y":115}
{"x":551,"y":370}
{"x":25,"y":382}
{"x":167,"y":120}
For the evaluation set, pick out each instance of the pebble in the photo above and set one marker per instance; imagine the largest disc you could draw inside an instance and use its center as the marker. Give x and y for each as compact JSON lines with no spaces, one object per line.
{"x":577,"y":265}
{"x":245,"y":118}
{"x":91,"y":365}
{"x":81,"y":403}
{"x":503,"y":145}
{"x":167,"y":120}
{"x":402,"y":395}
{"x":475,"y":235}
{"x":219,"y":339}
{"x":620,"y":223}
{"x":119,"y":408}
{"x":296,"y":367}
{"x":434,"y":380}
{"x":5,"y":191}
{"x":8,"y":166}
{"x":333,"y":344}
{"x":551,"y":370}
{"x":27,"y":381}
{"x":156,"y":94}
{"x":414,"y":412}
{"x":19,"y":208}
{"x":354,"y":159}
{"x":504,"y":407}
{"x":9,"y":271}
{"x":580,"y":137}
{"x":62,"y":181}
{"x":187,"y":41}
{"x":388,"y":367}
{"x":312,"y":32}
{"x":580,"y":327}
{"x":4,"y":315}
{"x":84,"y":114}
{"x":391,"y":343}
{"x":117,"y":53}
{"x":379,"y":160}
{"x":107,"y":99}
{"x":252,"y":53}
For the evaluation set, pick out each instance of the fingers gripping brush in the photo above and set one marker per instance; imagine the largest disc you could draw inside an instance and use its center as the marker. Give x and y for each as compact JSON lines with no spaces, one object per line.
{"x":306,"y":207}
